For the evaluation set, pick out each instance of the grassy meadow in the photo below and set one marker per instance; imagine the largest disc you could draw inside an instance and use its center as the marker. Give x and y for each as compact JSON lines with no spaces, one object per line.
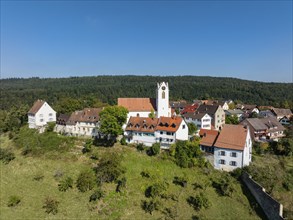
{"x":19,"y":178}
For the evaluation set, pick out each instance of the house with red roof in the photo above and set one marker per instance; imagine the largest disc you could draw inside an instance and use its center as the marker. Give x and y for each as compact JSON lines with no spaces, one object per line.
{"x":40,"y":114}
{"x":231,"y":147}
{"x":163,"y":130}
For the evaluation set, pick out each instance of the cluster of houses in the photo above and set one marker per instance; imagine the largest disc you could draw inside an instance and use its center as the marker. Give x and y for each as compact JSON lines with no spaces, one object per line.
{"x":157,"y":120}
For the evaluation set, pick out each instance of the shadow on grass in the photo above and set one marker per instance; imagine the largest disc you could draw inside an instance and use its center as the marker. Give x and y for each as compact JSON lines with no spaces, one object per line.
{"x":253,"y":203}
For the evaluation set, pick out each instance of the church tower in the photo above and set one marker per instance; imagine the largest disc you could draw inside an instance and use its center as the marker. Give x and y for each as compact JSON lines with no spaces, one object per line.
{"x":163,"y":108}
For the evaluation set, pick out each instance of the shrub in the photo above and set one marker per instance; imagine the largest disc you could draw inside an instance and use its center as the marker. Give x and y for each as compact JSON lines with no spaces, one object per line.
{"x":154,"y":149}
{"x":121,"y":184}
{"x":6,"y":155}
{"x":123,"y":141}
{"x":145,"y":173}
{"x":85,"y":181}
{"x":13,"y":201}
{"x":51,"y":205}
{"x":140,"y":147}
{"x":150,"y":206}
{"x":224,"y":186}
{"x":109,"y":169}
{"x":97,"y":195}
{"x":181,"y":181}
{"x":199,"y":201}
{"x":171,"y":213}
{"x":87,"y":147}
{"x":50,"y":126}
{"x":65,"y":184}
{"x":156,"y":189}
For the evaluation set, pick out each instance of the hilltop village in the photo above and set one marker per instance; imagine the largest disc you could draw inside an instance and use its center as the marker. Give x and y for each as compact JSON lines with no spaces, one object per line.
{"x":226,"y":131}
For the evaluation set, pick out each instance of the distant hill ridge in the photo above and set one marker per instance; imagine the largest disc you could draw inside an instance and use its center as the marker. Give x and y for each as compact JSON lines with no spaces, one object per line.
{"x":16,"y":91}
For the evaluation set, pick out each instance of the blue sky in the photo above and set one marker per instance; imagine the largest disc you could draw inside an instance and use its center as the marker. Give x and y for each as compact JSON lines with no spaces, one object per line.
{"x":243,"y":39}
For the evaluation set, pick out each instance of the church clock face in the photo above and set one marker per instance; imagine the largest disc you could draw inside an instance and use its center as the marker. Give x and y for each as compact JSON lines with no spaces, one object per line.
{"x":163,"y":88}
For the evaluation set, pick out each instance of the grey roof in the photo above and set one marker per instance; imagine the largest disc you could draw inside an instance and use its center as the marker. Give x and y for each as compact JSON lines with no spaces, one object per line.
{"x":234,"y":112}
{"x":270,"y":123}
{"x":282,"y":112}
{"x":194,"y":115}
{"x":210,"y":109}
{"x":256,"y":123}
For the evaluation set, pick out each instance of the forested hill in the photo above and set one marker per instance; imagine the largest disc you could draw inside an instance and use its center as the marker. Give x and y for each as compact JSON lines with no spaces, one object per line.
{"x":16,"y":92}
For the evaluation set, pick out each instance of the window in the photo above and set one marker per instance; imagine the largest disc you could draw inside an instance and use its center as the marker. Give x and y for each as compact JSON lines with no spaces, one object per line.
{"x":183,"y":126}
{"x":161,"y":132}
{"x":222,"y":162}
{"x":163,"y":95}
{"x":222,"y":153}
{"x":233,"y":163}
{"x":41,"y":115}
{"x":50,"y":114}
{"x":41,"y":120}
{"x":169,"y":133}
{"x":233,"y":154}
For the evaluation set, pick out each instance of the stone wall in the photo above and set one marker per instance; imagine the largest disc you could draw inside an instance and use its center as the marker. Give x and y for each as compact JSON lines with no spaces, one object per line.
{"x":272,"y":209}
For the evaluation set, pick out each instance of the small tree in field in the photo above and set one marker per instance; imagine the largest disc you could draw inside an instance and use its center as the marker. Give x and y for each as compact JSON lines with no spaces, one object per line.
{"x":51,"y":205}
{"x":155,"y":149}
{"x":85,"y":181}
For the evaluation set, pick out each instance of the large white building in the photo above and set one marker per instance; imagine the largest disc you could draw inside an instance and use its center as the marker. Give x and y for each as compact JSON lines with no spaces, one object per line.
{"x":164,"y":128}
{"x":40,"y":114}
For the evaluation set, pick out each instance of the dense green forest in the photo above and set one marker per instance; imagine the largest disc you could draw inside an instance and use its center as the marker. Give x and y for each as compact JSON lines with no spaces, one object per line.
{"x":66,"y":95}
{"x":16,"y":92}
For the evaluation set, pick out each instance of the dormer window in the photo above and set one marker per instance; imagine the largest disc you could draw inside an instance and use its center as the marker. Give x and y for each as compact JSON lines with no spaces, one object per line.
{"x":173,"y":125}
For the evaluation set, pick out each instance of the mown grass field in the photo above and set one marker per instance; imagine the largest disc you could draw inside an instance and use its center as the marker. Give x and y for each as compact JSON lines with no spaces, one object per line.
{"x":17,"y":178}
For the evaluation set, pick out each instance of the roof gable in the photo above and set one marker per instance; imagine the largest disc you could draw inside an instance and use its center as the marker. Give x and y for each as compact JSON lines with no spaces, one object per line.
{"x":232,"y":137}
{"x":138,"y":104}
{"x":36,"y":107}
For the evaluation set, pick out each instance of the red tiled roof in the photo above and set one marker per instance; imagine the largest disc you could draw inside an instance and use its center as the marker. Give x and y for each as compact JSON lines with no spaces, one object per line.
{"x":170,"y":124}
{"x":142,"y":124}
{"x":138,"y":104}
{"x":208,"y":137}
{"x":145,"y":124}
{"x":190,"y":108}
{"x":36,"y":107}
{"x":232,"y":137}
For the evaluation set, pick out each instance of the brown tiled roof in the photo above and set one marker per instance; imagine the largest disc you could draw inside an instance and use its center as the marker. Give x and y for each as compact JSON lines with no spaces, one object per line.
{"x":232,"y":137}
{"x":208,"y":137}
{"x":86,"y":115}
{"x":170,"y":124}
{"x":142,"y":124}
{"x":145,"y":124}
{"x":138,"y":104}
{"x":280,"y":112}
{"x":36,"y":107}
{"x":190,"y":108}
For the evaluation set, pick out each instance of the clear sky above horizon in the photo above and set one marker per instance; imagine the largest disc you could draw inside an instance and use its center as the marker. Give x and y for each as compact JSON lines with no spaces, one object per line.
{"x":243,"y":39}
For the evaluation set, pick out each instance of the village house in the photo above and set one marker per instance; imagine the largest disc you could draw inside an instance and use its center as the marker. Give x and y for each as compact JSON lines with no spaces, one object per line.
{"x":163,"y":130}
{"x":265,"y":129}
{"x":164,"y":127}
{"x":189,"y":108}
{"x":231,"y":148}
{"x":236,"y":112}
{"x":40,"y":114}
{"x":283,"y":115}
{"x":178,"y":106}
{"x":201,"y":120}
{"x":83,"y":123}
{"x":216,"y":112}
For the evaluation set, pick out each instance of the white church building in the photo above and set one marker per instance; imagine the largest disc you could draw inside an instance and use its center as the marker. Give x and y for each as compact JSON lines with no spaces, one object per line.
{"x":164,"y":128}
